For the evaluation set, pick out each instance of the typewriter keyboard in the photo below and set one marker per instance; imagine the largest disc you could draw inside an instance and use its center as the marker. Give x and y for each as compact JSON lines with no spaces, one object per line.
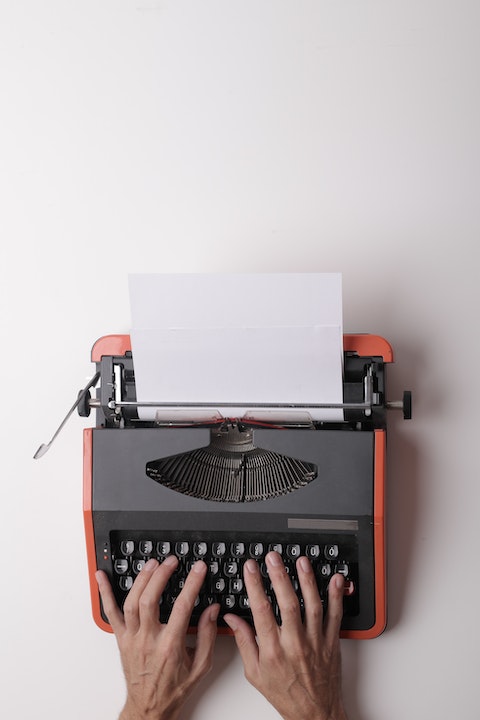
{"x":225,"y":555}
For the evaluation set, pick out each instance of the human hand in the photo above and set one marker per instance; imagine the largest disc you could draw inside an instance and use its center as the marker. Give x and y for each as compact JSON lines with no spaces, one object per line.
{"x":160,"y":670}
{"x":296,"y":666}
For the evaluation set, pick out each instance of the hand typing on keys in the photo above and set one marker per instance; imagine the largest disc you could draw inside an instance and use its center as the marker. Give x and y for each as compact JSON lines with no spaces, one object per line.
{"x":296,"y":666}
{"x":159,"y":669}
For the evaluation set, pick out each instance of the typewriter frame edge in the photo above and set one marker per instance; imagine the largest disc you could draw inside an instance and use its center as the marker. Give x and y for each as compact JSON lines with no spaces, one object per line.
{"x":89,"y":530}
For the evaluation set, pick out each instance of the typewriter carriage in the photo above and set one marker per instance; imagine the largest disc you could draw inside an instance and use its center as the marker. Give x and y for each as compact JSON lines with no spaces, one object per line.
{"x":364,"y":396}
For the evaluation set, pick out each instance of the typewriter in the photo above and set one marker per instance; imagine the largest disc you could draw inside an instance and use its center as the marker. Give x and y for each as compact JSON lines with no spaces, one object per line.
{"x":226,"y":489}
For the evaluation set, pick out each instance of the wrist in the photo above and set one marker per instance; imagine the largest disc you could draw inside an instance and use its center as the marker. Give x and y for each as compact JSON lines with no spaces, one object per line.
{"x":337,"y":714}
{"x":131,"y":713}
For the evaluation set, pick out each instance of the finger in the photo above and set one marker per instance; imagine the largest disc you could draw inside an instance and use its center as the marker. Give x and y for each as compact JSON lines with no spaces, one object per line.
{"x":149,"y":600}
{"x":182,"y":609}
{"x":247,"y":645}
{"x":266,"y":627}
{"x":285,"y":594}
{"x":206,"y":635}
{"x":334,"y":616}
{"x":112,"y":611}
{"x":311,"y":599}
{"x":139,"y":600}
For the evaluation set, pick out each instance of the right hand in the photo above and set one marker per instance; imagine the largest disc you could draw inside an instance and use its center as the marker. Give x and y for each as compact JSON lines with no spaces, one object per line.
{"x":296,"y":666}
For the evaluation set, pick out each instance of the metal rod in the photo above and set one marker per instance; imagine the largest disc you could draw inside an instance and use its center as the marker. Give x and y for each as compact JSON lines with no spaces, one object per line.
{"x":183,"y":405}
{"x":81,"y":395}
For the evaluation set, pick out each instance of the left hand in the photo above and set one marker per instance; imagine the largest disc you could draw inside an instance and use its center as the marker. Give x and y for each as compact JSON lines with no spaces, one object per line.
{"x":159,"y":669}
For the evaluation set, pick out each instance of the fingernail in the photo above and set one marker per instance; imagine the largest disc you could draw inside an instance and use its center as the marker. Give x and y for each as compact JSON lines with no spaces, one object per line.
{"x":213,"y":615}
{"x":199,"y":566}
{"x":251,"y":566}
{"x":170,"y":561}
{"x":231,"y":621}
{"x":150,"y":564}
{"x":274,"y":559}
{"x":305,"y":565}
{"x":339,"y":582}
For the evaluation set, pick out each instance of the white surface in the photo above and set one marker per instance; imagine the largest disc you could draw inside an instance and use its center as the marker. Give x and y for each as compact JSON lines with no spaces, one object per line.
{"x":275,"y":339}
{"x":255,"y":136}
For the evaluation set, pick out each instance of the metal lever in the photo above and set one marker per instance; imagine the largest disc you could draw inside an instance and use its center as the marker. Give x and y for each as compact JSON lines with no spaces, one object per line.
{"x":81,"y":396}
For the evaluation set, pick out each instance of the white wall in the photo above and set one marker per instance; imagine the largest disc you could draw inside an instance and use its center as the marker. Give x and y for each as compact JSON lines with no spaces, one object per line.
{"x":208,"y":135}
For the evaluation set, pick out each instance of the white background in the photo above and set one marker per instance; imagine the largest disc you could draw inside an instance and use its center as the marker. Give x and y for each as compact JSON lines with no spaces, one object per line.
{"x":202,"y":135}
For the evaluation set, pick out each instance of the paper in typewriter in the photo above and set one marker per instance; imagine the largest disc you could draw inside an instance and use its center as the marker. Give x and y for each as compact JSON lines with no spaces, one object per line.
{"x":238,"y":342}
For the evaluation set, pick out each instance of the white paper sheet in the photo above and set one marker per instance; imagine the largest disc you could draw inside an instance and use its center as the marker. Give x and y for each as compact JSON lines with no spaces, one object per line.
{"x":239,"y":339}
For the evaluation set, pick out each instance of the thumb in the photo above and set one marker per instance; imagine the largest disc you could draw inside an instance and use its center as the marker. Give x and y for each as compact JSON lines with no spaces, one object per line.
{"x":206,"y":635}
{"x":246,"y":643}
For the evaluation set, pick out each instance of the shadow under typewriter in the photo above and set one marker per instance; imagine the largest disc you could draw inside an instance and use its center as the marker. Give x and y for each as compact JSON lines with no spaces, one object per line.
{"x":231,"y":469}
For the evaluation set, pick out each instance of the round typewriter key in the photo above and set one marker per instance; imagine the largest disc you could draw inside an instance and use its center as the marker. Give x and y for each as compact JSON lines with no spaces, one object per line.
{"x":331,"y":551}
{"x":125,"y":582}
{"x":219,"y":549}
{"x":256,"y":550}
{"x":276,"y":547}
{"x":137,"y":566}
{"x":244,"y":602}
{"x":218,"y":585}
{"x":200,"y":549}
{"x":342,"y":568}
{"x":127,"y":547}
{"x":313,"y":551}
{"x":120,"y":566}
{"x":145,"y":547}
{"x":182,"y":549}
{"x":293,"y":551}
{"x":230,"y":569}
{"x":213,"y":567}
{"x":228,"y":601}
{"x":163,"y":548}
{"x":237,"y":549}
{"x":325,"y":569}
{"x":235,"y":586}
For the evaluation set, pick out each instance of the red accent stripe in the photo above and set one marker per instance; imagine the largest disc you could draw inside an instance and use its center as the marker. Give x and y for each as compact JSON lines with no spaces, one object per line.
{"x":89,"y":534}
{"x":378,"y":543}
{"x":363,"y":345}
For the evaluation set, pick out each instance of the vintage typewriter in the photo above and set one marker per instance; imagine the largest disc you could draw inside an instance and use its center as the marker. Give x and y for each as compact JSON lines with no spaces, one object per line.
{"x":225,"y":489}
